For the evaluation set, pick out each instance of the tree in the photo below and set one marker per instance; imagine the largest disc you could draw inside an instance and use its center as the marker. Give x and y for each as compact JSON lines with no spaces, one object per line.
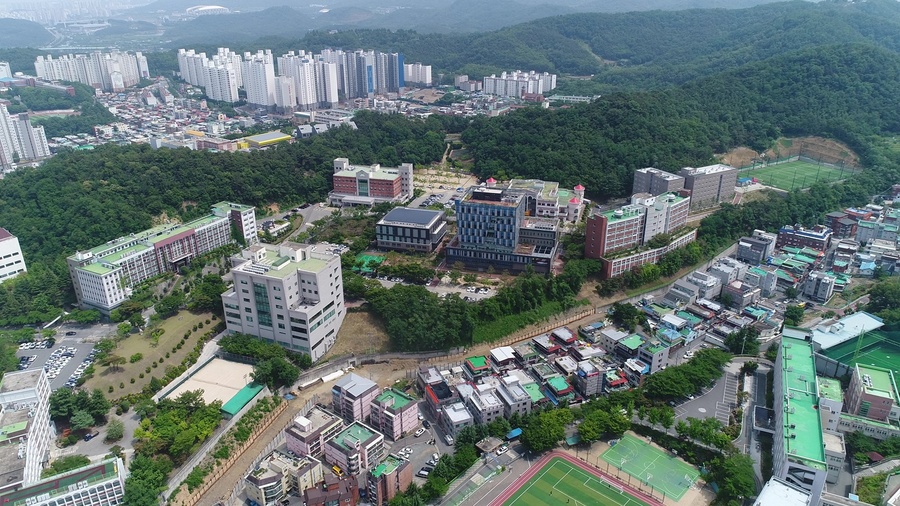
{"x":207,"y":294}
{"x":743,"y":342}
{"x":81,"y":420}
{"x":791,"y":292}
{"x":115,"y":430}
{"x":749,"y":368}
{"x":62,"y":404}
{"x":98,"y":405}
{"x":64,"y":464}
{"x":735,"y":476}
{"x":113,"y":361}
{"x":137,"y":320}
{"x":275,"y":372}
{"x":793,"y":315}
{"x":124,"y":329}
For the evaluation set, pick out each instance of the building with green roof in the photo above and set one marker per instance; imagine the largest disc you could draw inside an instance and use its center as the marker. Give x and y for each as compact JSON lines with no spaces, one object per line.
{"x":477,"y":366}
{"x":629,"y":346}
{"x":394,"y":414}
{"x":799,"y":447}
{"x":240,"y":399}
{"x":96,"y":484}
{"x":104,"y":275}
{"x":355,"y":449}
{"x":873,"y":393}
{"x":389,"y":478}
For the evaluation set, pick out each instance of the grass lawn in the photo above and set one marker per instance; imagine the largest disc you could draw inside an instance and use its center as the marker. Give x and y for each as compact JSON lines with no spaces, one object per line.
{"x":561,"y":482}
{"x":791,"y":175}
{"x":175,"y":327}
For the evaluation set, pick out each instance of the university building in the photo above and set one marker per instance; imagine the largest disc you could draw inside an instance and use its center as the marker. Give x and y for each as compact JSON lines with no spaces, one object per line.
{"x":710,"y":185}
{"x":25,"y":429}
{"x":369,"y":185}
{"x":291,"y":295}
{"x":12,"y":263}
{"x":411,"y":229}
{"x":103,"y":276}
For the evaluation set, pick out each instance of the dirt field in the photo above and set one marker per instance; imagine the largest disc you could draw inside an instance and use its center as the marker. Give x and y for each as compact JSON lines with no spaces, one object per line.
{"x":220,"y":380}
{"x":818,"y":148}
{"x":175,"y":327}
{"x":361,"y":333}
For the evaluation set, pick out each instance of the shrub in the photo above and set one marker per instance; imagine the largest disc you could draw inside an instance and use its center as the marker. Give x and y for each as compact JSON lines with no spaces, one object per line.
{"x":200,"y":325}
{"x":147,"y":370}
{"x":136,"y":357}
{"x":167,"y":354}
{"x":125,"y":405}
{"x":207,"y":321}
{"x":154,"y":365}
{"x":121,"y":385}
{"x":131,"y":381}
{"x":110,"y":389}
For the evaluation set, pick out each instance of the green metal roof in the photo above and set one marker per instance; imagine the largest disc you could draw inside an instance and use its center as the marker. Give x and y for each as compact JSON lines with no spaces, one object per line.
{"x":534,"y":390}
{"x":882,"y":382}
{"x":558,"y":384}
{"x":477,"y":362}
{"x":355,"y":431}
{"x":632,"y":342}
{"x":118,"y":255}
{"x":689,"y":317}
{"x":387,"y":466}
{"x":400,"y":399}
{"x":802,"y":422}
{"x":241,"y":398}
{"x":98,"y":269}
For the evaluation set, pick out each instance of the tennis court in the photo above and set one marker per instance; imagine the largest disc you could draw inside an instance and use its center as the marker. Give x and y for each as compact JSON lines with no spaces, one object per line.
{"x":562,"y":482}
{"x":878,"y":348}
{"x":368,"y":261}
{"x":797,"y":174}
{"x":664,"y":472}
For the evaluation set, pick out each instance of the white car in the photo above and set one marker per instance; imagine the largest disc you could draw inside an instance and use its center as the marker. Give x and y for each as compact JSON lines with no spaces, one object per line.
{"x":449,"y":439}
{"x":420,"y":432}
{"x":503,"y":449}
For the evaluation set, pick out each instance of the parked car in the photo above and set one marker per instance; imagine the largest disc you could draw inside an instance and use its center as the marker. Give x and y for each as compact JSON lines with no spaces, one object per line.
{"x":420,"y":432}
{"x":91,"y":435}
{"x":449,"y":439}
{"x":426,"y":423}
{"x":503,"y":449}
{"x":422,"y":473}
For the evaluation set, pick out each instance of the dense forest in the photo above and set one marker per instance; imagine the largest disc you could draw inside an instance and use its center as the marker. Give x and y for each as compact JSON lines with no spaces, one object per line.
{"x":847,"y":92}
{"x":91,"y":112}
{"x":21,"y":32}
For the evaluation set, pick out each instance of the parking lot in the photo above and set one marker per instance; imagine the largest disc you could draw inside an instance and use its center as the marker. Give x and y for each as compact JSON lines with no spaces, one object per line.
{"x":437,"y":196}
{"x":61,"y":361}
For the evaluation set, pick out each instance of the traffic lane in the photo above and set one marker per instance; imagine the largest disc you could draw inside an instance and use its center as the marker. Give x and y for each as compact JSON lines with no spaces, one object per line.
{"x":82,"y":332}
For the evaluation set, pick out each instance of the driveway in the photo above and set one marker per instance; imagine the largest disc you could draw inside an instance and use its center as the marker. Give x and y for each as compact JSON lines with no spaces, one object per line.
{"x":714,"y":402}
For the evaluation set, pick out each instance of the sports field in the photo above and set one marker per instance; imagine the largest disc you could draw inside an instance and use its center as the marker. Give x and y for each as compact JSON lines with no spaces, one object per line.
{"x":562,"y":482}
{"x":879,"y":348}
{"x":664,"y":472}
{"x":793,"y":175}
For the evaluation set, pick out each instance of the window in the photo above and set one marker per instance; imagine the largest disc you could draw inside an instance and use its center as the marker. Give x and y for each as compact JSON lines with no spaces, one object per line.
{"x":250,"y":319}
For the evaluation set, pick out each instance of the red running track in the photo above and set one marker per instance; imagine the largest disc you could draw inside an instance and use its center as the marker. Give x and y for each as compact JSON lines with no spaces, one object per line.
{"x":537,"y":466}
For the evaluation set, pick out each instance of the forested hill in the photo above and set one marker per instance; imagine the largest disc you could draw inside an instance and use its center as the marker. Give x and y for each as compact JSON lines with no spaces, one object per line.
{"x":22,"y":33}
{"x":639,"y":49}
{"x":846,"y":91}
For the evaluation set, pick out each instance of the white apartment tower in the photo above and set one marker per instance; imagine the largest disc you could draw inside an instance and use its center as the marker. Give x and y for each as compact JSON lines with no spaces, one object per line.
{"x":290,"y":294}
{"x":113,"y":71}
{"x":259,"y":78}
{"x":417,"y":74}
{"x":12,"y":263}
{"x":25,"y":418}
{"x":5,"y":70}
{"x":19,"y":139}
{"x":285,"y":98}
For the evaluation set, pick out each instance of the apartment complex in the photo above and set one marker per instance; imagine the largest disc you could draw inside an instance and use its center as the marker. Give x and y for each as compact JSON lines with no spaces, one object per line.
{"x":113,"y":71}
{"x":290,"y":294}
{"x":355,"y":449}
{"x":12,"y":263}
{"x":394,"y":414}
{"x":417,"y":74}
{"x":513,"y":227}
{"x":818,"y":237}
{"x":798,"y":452}
{"x":656,"y":182}
{"x":220,"y":76}
{"x":308,"y":433}
{"x":25,"y":428}
{"x":389,"y":478}
{"x":352,"y":397}
{"x":279,"y":474}
{"x":873,"y":393}
{"x":369,"y":185}
{"x":409,"y":229}
{"x":103,"y":276}
{"x":518,"y":83}
{"x":710,"y":185}
{"x":819,"y":286}
{"x":20,"y":141}
{"x":97,"y":484}
{"x":633,"y":226}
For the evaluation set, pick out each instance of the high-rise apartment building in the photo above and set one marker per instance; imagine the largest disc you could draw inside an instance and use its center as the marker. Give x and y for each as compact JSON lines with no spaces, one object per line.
{"x":259,"y":78}
{"x":25,"y":428}
{"x":515,"y":84}
{"x":12,"y":263}
{"x":19,"y":140}
{"x":285,"y":97}
{"x":417,"y":74}
{"x":103,"y":276}
{"x":290,"y":295}
{"x":710,"y":185}
{"x":5,"y":70}
{"x":113,"y":71}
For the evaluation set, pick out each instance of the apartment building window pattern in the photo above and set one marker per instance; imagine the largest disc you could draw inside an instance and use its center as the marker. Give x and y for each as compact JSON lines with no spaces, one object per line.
{"x":263,"y":310}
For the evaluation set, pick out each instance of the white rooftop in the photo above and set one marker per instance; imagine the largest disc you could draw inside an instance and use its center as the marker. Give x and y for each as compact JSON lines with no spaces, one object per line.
{"x":457,"y":413}
{"x":845,"y":329}
{"x":782,"y":493}
{"x":502,"y":354}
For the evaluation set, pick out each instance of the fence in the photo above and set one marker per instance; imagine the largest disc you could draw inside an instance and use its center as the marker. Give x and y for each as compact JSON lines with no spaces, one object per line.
{"x":275,"y":443}
{"x":224,"y":466}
